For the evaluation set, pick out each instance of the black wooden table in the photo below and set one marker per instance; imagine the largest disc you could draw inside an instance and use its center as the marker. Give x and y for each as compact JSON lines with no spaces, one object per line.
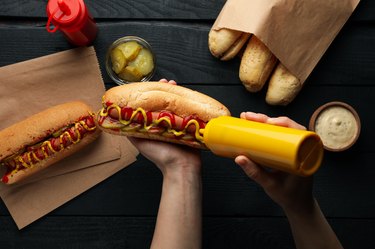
{"x":121,"y":211}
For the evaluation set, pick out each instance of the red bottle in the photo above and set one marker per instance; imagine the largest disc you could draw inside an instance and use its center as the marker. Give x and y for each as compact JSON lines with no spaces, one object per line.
{"x":73,"y":19}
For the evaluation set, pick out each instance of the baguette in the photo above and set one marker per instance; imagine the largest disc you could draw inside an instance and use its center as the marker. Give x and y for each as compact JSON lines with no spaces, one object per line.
{"x":225,"y":44}
{"x":256,"y":65}
{"x":283,"y":87}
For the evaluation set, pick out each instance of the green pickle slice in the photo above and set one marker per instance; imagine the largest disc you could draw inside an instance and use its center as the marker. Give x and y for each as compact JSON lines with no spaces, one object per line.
{"x":130,"y":49}
{"x":143,"y":62}
{"x":118,"y":60}
{"x":130,"y":73}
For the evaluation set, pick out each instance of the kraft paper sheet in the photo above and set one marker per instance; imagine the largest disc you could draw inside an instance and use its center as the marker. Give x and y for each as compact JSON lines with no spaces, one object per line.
{"x":31,"y":86}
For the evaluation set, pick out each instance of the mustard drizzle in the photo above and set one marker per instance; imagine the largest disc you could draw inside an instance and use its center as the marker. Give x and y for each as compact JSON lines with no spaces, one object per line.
{"x":30,"y":154}
{"x":198,"y":136}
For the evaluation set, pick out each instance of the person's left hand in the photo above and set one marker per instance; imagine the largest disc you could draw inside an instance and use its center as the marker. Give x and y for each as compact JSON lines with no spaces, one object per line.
{"x":169,"y":158}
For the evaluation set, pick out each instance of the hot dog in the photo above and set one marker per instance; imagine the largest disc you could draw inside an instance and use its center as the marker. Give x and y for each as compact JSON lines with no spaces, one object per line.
{"x":44,"y":139}
{"x":158,"y":111}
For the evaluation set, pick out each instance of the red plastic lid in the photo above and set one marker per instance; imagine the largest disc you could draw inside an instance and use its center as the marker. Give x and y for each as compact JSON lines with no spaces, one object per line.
{"x":64,"y":13}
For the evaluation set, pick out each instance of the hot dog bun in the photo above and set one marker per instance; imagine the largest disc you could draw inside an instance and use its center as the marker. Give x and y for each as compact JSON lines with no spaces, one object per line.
{"x":158,"y":111}
{"x":283,"y":86}
{"x":225,"y":44}
{"x":28,"y":142}
{"x":256,"y":65}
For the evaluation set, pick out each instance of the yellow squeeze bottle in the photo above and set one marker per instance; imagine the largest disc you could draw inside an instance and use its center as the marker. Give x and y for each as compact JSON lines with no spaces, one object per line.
{"x":295,"y":151}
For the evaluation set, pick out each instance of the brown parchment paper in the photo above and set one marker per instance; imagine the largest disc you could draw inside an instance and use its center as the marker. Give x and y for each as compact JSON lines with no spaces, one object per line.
{"x":30,"y":202}
{"x":298,"y":32}
{"x":31,"y":86}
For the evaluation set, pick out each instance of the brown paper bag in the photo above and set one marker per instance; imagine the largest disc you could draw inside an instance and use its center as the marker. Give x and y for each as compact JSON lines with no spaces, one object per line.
{"x":298,"y":32}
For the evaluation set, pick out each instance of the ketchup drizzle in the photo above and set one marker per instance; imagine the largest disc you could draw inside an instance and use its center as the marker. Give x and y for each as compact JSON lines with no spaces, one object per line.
{"x":126,"y":113}
{"x":169,"y":115}
{"x":5,"y":179}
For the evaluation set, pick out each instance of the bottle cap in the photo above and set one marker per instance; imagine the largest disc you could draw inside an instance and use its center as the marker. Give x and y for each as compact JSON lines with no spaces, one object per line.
{"x":64,"y":13}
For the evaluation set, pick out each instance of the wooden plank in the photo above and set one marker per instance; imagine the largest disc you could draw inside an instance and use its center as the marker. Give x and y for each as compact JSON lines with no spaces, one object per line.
{"x":120,"y":212}
{"x":263,"y":232}
{"x":192,"y":63}
{"x":136,"y":232}
{"x":144,"y":9}
{"x":182,"y":52}
{"x":343,"y":187}
{"x":128,"y":9}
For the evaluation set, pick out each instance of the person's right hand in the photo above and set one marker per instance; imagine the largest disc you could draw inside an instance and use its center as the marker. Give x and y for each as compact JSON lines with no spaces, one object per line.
{"x":291,"y":192}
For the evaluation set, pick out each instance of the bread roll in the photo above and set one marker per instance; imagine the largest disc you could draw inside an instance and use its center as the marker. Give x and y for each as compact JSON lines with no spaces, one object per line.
{"x":157,"y":96}
{"x":225,"y":44}
{"x":256,"y":66}
{"x":283,"y":86}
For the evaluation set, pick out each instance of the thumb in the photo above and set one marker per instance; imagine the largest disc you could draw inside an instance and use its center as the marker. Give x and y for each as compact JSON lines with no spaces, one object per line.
{"x":255,"y":172}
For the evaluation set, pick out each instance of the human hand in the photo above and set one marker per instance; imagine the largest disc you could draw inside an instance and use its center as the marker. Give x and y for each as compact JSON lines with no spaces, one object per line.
{"x":291,"y":192}
{"x":169,"y":158}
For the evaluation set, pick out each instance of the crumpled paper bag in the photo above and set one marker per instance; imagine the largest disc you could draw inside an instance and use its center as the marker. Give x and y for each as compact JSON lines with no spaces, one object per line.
{"x":298,"y":32}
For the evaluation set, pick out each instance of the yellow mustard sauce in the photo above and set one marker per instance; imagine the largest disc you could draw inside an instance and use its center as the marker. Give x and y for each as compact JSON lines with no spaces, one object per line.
{"x":198,"y":135}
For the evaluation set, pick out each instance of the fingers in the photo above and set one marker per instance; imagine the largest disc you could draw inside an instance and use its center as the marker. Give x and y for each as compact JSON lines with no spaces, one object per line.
{"x":166,"y":81}
{"x":257,"y":117}
{"x":280,"y":121}
{"x":255,"y":172}
{"x":286,"y":122}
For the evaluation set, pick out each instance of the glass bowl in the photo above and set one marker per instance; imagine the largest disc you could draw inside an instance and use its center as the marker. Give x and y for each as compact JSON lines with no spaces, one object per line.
{"x":133,"y":67}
